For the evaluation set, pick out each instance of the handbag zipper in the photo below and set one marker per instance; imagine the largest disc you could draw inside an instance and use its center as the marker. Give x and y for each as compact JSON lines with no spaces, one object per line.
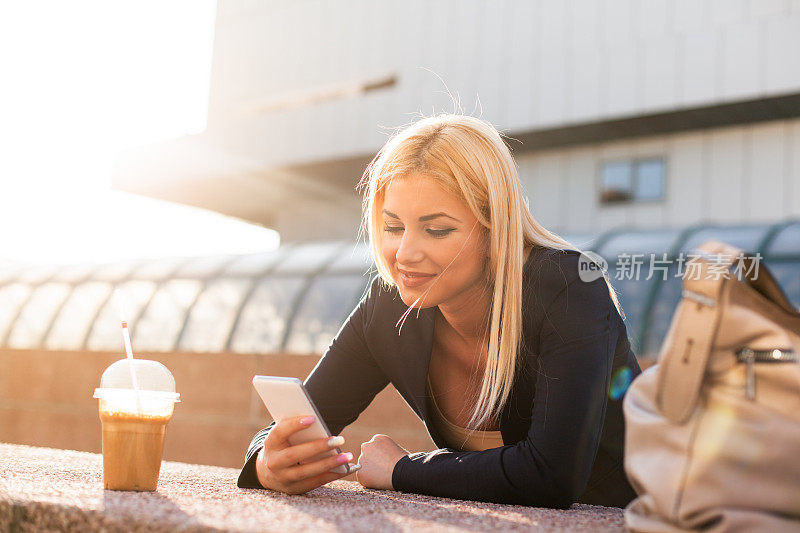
{"x":749,"y":357}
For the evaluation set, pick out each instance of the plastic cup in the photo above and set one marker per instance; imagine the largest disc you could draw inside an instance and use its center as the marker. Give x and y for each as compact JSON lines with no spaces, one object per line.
{"x":134,"y":422}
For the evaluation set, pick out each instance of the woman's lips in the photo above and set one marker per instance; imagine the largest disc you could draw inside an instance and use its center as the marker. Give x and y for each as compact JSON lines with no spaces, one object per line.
{"x":415,"y":281}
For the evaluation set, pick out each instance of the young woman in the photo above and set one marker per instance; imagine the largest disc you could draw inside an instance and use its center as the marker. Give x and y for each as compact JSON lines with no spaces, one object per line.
{"x":480,"y":319}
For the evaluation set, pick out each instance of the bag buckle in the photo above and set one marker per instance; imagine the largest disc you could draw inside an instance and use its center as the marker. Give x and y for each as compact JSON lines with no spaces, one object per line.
{"x":702,"y":299}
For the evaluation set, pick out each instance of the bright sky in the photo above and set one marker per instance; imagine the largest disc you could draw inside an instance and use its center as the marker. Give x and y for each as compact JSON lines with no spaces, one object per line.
{"x":83,"y":80}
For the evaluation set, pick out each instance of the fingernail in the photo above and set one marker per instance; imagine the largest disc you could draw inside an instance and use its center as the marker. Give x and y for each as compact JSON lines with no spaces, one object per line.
{"x":354,"y":468}
{"x":335,"y":441}
{"x":345,"y":458}
{"x":307,"y":420}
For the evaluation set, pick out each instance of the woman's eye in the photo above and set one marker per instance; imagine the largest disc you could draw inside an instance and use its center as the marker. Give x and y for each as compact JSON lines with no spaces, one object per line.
{"x":438,"y":233}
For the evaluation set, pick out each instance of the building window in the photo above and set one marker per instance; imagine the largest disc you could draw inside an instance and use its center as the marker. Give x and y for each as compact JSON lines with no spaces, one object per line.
{"x":632,"y":180}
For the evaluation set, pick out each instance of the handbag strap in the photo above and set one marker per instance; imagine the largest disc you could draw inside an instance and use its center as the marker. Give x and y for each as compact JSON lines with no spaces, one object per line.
{"x":683,"y":359}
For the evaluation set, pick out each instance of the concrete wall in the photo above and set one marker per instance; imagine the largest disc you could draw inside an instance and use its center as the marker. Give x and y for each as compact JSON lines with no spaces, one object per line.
{"x":727,"y":175}
{"x":46,"y":400}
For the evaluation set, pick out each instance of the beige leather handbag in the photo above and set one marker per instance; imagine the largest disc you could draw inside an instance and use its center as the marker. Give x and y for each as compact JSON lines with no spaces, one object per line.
{"x":713,"y":430}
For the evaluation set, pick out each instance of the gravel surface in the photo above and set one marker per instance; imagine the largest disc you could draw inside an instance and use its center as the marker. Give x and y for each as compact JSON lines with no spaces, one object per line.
{"x":43,"y":489}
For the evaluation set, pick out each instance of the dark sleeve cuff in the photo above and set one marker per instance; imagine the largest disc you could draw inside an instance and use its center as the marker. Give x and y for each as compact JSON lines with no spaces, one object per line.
{"x":248,"y":479}
{"x":401,"y":480}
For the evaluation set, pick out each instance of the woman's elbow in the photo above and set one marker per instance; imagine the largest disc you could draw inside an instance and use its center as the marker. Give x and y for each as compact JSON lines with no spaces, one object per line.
{"x":559,"y":499}
{"x":556,"y":491}
{"x":568,"y":487}
{"x":565,"y":497}
{"x":552,"y":495}
{"x":549,"y":501}
{"x":537,"y":482}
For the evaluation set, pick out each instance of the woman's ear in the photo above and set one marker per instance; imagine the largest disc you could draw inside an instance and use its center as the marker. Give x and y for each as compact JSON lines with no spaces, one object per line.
{"x":487,"y":243}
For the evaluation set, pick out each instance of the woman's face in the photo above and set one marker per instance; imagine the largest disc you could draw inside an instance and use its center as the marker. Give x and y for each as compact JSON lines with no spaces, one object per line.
{"x":431,"y":232}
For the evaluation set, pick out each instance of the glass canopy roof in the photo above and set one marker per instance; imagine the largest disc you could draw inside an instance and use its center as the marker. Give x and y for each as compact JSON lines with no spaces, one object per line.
{"x":295,"y":299}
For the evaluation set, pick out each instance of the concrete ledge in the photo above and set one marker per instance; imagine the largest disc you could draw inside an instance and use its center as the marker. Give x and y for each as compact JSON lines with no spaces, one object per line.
{"x":49,"y":489}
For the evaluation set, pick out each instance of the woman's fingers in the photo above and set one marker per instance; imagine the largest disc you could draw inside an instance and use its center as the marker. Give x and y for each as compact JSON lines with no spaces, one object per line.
{"x":301,"y":453}
{"x":278,"y":436}
{"x":295,"y":469}
{"x":317,"y":481}
{"x":300,"y":472}
{"x":311,"y":476}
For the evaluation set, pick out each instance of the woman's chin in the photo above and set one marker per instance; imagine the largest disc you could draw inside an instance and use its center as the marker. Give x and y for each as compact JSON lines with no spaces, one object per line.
{"x":410,"y":296}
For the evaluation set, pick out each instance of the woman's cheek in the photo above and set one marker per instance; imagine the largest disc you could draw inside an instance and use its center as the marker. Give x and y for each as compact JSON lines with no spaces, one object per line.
{"x":389,"y":255}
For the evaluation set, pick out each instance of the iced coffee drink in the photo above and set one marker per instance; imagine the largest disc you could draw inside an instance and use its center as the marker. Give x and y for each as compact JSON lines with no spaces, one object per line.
{"x":134,"y":423}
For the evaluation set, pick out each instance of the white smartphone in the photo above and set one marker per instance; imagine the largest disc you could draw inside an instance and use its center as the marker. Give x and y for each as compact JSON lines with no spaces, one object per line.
{"x":287,"y":397}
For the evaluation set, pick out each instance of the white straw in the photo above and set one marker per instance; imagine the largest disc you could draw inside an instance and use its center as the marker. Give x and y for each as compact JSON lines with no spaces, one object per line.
{"x":126,"y":337}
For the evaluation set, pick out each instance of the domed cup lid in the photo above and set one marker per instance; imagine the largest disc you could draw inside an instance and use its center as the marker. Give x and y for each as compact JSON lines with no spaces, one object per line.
{"x":155,"y":382}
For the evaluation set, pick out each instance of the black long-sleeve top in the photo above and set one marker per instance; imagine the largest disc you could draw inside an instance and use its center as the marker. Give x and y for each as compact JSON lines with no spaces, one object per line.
{"x":562,"y":426}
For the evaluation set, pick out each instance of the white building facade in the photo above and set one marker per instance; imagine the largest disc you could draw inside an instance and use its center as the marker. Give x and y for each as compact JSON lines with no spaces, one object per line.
{"x":638,"y":114}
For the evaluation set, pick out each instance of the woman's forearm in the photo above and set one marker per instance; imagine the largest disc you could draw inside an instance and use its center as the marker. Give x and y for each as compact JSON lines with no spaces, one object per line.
{"x":481,"y":476}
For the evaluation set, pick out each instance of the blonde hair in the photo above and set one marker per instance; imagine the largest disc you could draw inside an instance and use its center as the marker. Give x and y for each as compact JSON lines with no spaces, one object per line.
{"x":467,"y":157}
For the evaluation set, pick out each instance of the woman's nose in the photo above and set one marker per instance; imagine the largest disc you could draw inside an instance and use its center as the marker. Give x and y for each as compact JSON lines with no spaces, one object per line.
{"x":410,"y":250}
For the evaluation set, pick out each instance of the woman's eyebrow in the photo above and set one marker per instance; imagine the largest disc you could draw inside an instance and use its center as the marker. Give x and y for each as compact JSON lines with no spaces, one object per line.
{"x":423,"y":218}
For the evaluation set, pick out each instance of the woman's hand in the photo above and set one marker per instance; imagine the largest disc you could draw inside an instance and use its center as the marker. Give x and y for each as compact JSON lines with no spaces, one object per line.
{"x":292,"y":469}
{"x":377,"y":460}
